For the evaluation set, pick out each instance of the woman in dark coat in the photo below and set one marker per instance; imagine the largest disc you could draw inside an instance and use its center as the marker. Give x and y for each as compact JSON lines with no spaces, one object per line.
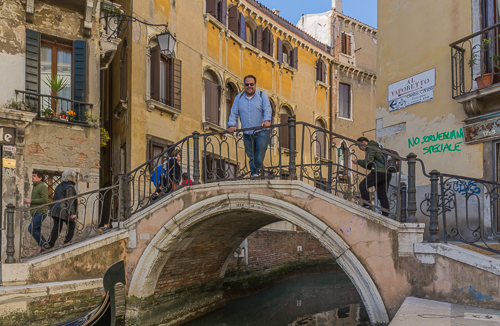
{"x":65,"y":211}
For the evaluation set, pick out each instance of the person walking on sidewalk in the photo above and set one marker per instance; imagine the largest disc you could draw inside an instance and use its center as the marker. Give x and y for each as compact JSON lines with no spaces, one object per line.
{"x":39,"y":196}
{"x":378,"y":177}
{"x":254,"y":110}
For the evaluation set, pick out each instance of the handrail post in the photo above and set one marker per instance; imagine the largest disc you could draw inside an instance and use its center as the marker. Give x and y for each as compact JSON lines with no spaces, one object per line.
{"x":121,"y":197}
{"x":330,"y":168}
{"x":196,"y":158}
{"x":412,"y":190}
{"x":434,"y":222}
{"x":403,"y":202}
{"x":10,"y":251}
{"x":291,"y":137}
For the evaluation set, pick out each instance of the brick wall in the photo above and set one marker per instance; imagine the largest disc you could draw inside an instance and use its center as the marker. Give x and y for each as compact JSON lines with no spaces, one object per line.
{"x":268,"y":249}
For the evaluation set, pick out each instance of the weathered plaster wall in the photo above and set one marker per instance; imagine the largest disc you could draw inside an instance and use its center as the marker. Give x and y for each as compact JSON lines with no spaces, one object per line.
{"x":401,"y":54}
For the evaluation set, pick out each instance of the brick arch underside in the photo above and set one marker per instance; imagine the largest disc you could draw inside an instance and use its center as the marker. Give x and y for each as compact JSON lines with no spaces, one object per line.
{"x":190,"y":252}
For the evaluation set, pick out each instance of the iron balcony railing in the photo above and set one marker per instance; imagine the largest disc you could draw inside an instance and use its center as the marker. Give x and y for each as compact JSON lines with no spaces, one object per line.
{"x":475,"y":61}
{"x":38,"y":103}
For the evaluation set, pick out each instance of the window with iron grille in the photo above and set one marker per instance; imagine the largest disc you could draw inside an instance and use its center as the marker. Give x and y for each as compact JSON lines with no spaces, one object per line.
{"x":52,"y":180}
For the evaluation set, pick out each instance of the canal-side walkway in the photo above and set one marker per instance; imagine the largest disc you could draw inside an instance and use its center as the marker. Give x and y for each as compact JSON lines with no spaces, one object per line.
{"x":417,"y":312}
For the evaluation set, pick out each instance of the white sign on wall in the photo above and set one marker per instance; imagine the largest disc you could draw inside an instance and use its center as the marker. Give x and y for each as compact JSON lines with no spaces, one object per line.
{"x":412,"y":90}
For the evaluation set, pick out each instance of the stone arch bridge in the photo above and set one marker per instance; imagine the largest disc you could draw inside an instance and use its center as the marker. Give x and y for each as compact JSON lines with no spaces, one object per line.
{"x":185,"y":240}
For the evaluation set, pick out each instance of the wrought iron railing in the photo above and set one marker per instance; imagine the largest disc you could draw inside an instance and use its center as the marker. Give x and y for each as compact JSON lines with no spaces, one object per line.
{"x":39,"y":103}
{"x":323,"y":159}
{"x":294,"y":151}
{"x":475,"y":61}
{"x":468,"y":207}
{"x":78,"y":218}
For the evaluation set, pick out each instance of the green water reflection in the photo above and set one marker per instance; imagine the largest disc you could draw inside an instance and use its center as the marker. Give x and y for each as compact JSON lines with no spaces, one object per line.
{"x":310,"y":300}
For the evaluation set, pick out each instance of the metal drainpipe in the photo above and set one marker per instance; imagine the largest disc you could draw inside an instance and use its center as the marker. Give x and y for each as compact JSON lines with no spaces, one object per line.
{"x":332,"y":114}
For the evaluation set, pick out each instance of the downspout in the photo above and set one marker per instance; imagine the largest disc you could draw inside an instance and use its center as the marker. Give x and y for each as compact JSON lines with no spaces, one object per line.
{"x":332,"y":51}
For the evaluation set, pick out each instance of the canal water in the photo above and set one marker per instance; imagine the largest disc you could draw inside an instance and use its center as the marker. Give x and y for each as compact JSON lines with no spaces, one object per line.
{"x":309,"y":300}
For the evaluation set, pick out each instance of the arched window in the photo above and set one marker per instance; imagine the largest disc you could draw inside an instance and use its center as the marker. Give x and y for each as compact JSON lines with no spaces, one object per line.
{"x":231,"y":93}
{"x":287,"y":54}
{"x":249,"y":34}
{"x":321,"y":70}
{"x":212,"y":97}
{"x":321,"y":139}
{"x":285,"y":113}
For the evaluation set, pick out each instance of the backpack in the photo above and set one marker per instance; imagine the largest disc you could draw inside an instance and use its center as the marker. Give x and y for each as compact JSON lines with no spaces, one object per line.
{"x":392,"y":164}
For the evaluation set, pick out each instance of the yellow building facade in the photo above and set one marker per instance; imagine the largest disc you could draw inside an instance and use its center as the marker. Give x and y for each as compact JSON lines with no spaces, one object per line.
{"x":154,"y":100}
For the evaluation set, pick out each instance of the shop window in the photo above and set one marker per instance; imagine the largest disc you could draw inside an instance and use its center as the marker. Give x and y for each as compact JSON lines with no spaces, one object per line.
{"x":345,"y":101}
{"x":165,"y":76}
{"x":217,"y":168}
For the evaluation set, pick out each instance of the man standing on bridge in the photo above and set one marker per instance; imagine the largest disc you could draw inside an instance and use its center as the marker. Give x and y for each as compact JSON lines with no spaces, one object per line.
{"x":378,"y":177}
{"x":254,"y":110}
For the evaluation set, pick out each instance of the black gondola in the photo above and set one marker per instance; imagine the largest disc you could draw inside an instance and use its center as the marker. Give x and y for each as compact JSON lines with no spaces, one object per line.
{"x":104,"y":313}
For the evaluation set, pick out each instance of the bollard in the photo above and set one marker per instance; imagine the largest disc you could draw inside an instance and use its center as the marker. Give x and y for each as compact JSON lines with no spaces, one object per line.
{"x":291,"y":136}
{"x":196,"y":158}
{"x":412,"y":190}
{"x":433,"y":222}
{"x":10,"y":235}
{"x":403,"y":202}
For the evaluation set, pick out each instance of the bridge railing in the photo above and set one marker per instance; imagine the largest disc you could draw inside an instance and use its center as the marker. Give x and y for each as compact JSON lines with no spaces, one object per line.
{"x":469,"y":209}
{"x":41,"y":229}
{"x":292,"y":151}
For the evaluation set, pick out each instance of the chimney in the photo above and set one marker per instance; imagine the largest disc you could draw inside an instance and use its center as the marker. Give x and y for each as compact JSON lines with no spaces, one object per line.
{"x":337,"y":5}
{"x":277,"y":12}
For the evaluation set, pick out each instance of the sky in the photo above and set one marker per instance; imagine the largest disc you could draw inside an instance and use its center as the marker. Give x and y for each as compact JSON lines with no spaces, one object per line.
{"x":363,"y":10}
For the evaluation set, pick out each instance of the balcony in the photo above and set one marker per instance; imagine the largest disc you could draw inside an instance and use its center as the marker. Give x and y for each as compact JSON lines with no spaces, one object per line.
{"x":42,"y":104}
{"x":475,"y":63}
{"x":110,"y":29}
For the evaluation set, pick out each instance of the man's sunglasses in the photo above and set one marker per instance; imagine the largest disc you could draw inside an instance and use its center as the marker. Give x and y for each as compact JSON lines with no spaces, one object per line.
{"x":249,"y":84}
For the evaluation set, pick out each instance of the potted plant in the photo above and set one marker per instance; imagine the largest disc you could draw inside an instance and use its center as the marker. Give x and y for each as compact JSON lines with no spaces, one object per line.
{"x":63,"y":115}
{"x":485,"y":79}
{"x":48,"y":113}
{"x":71,"y":115}
{"x":91,"y":120}
{"x":104,"y":137}
{"x":56,"y":84}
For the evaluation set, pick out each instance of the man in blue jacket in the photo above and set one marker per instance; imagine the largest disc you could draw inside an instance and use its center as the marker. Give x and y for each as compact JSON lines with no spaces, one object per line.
{"x":254,"y":110}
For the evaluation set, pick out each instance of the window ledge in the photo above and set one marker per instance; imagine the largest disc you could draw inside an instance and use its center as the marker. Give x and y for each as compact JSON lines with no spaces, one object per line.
{"x":285,"y":66}
{"x":209,"y":18}
{"x":230,"y":33}
{"x":347,"y":55}
{"x":19,"y":115}
{"x":320,"y":159}
{"x":153,"y":104}
{"x":322,"y":84}
{"x":348,"y":119}
{"x":208,"y":125}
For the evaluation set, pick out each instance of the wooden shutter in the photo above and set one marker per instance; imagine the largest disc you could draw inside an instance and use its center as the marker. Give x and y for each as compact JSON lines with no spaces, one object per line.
{"x":212,"y":7}
{"x":233,"y":19}
{"x":258,"y":37}
{"x":294,"y":60}
{"x":242,"y":30}
{"x":174,"y":83}
{"x":280,"y":51}
{"x":285,"y":141}
{"x":79,"y":77}
{"x":223,"y":12}
{"x":155,"y":73}
{"x":344,"y":101}
{"x":211,"y":102}
{"x":265,"y":40}
{"x":80,"y":70}
{"x":32,"y":61}
{"x":344,"y":43}
{"x":348,"y":44}
{"x":271,"y":43}
{"x":320,"y":145}
{"x":323,"y":71}
{"x":318,"y":69}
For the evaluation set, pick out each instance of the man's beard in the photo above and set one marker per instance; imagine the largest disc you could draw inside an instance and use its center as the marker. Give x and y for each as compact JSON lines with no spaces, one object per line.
{"x":249,"y":94}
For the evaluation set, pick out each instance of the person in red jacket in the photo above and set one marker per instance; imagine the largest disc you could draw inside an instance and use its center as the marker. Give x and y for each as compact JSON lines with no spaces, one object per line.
{"x":185,"y":180}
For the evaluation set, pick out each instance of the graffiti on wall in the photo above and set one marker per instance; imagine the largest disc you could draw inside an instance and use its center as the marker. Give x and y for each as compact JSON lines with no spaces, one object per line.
{"x":466,"y":188}
{"x":438,"y":142}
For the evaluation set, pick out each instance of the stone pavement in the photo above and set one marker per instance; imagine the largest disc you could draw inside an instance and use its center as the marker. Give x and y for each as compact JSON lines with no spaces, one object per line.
{"x":417,"y":312}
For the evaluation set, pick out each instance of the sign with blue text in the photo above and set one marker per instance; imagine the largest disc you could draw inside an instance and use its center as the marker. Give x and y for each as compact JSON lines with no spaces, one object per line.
{"x":412,"y":90}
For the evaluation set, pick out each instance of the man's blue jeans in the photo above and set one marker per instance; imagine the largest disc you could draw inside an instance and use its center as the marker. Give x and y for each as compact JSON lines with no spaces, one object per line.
{"x":35,"y":228}
{"x":255,"y":147}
